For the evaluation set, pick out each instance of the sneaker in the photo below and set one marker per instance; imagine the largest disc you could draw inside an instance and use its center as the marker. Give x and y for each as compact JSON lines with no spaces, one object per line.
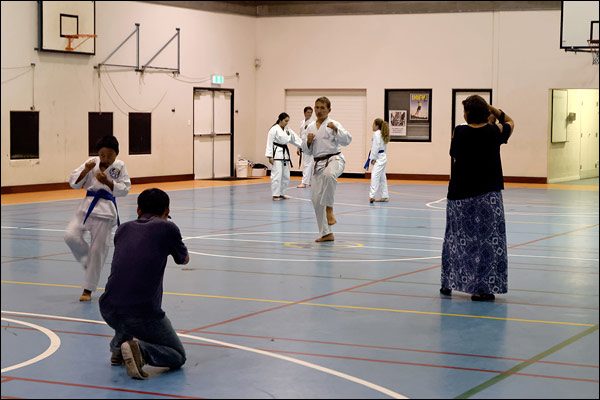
{"x":132,"y":357}
{"x":284,"y":197}
{"x":276,"y":198}
{"x":116,"y":358}
{"x":446,"y":291}
{"x":383,"y":200}
{"x":301,"y":186}
{"x":86,"y":295}
{"x":371,"y":200}
{"x":483,"y":297}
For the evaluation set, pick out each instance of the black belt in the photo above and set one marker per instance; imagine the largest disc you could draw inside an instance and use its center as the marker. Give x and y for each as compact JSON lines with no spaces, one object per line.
{"x":286,"y":151}
{"x":325,"y":157}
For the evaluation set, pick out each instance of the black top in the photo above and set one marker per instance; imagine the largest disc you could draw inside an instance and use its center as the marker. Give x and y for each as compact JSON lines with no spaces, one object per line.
{"x":476,"y":165}
{"x":135,"y":283}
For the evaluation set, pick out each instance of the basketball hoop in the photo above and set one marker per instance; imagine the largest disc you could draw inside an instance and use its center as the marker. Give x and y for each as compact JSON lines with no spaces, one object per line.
{"x":70,"y":38}
{"x":594,"y":50}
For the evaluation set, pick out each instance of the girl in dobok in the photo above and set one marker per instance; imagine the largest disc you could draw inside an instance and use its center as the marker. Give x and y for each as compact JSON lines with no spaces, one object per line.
{"x":378,"y":160}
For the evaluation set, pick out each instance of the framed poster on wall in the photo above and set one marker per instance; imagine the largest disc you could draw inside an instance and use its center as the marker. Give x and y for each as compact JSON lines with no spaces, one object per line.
{"x":458,"y":95}
{"x":408,"y":112}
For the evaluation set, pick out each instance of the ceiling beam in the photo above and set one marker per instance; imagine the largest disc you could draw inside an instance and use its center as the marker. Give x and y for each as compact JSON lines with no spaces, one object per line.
{"x":307,"y":8}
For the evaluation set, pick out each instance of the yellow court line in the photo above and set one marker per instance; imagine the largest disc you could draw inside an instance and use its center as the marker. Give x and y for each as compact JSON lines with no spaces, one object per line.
{"x":207,"y":296}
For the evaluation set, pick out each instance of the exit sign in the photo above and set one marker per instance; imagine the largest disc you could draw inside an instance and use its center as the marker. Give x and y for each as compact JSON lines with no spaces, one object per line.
{"x":218,"y":79}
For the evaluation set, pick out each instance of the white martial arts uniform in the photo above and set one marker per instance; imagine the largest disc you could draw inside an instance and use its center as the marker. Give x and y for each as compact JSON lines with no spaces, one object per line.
{"x":378,"y":178}
{"x":280,"y":171}
{"x":307,"y":159}
{"x":329,"y":165}
{"x":100,"y":221}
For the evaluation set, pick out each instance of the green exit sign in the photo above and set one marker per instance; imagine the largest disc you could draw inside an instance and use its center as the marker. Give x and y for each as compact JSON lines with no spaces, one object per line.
{"x":218,"y":79}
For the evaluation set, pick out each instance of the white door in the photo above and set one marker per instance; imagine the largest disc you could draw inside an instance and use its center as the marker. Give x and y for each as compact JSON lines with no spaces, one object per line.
{"x":348,"y":107}
{"x":588,"y":117}
{"x":212,"y":134}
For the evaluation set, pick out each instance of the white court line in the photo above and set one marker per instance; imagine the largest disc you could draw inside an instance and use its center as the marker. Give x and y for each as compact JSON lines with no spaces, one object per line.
{"x":54,"y":345}
{"x":326,"y":370}
{"x":215,"y":236}
{"x":431,"y":205}
{"x":318,"y":260}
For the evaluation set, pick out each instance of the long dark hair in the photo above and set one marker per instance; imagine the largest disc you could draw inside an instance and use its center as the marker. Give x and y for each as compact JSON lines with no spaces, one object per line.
{"x":281,"y":117}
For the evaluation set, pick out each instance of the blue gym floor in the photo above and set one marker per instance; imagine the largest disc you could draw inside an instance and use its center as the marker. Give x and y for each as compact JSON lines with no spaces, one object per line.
{"x":265,"y":312}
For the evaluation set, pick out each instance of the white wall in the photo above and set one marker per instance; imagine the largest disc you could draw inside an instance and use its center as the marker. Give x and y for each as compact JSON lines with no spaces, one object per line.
{"x":66,"y":85}
{"x":515,"y":53}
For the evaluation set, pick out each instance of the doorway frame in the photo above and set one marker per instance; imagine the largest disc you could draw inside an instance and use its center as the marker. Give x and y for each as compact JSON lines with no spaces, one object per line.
{"x":231,"y":119}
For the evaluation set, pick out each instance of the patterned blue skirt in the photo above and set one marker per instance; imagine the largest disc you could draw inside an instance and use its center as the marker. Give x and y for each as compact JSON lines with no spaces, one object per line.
{"x":474,"y":256}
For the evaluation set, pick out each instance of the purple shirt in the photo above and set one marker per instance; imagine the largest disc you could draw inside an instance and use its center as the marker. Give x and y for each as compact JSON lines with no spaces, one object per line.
{"x":135,"y":283}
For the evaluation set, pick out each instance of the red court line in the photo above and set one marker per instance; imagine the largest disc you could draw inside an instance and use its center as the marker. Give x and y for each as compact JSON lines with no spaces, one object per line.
{"x":355,"y":345}
{"x":498,"y":301}
{"x":368,"y":346}
{"x":552,"y":236}
{"x":99,"y":387}
{"x":309,"y":299}
{"x":437,"y":366}
{"x":362,"y":285}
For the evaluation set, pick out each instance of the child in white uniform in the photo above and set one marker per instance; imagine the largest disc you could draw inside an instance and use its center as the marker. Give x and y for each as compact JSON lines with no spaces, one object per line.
{"x":278,"y":154}
{"x":105,"y":178}
{"x":378,"y":158}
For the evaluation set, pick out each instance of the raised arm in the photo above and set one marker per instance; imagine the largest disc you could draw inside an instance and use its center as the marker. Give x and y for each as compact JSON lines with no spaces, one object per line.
{"x":502,"y":118}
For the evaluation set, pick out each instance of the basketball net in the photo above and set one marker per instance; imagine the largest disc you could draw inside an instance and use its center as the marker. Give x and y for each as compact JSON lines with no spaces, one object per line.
{"x":594,"y":50}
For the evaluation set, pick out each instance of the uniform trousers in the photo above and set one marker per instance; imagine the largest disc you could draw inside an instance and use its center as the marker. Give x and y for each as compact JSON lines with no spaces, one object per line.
{"x":280,"y":177}
{"x":92,"y":255}
{"x":378,"y":178}
{"x":323,"y":188}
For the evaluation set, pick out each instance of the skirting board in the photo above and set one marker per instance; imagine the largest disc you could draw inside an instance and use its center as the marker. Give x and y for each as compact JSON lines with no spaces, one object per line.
{"x":189,"y":177}
{"x":64,"y":185}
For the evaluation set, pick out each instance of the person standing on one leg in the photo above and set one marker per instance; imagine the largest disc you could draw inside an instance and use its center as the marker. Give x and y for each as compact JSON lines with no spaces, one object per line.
{"x":378,"y":160}
{"x":308,"y":159}
{"x":105,"y":178}
{"x":278,"y":153}
{"x":132,"y":301}
{"x":324,"y":139}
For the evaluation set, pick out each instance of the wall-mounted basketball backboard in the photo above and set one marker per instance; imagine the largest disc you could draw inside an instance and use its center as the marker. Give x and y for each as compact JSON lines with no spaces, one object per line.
{"x":67,"y":26}
{"x":578,"y":25}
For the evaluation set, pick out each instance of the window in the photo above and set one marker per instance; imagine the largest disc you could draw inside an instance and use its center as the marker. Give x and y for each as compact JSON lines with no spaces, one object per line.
{"x":140,"y":133}
{"x":24,"y":135}
{"x":100,"y":124}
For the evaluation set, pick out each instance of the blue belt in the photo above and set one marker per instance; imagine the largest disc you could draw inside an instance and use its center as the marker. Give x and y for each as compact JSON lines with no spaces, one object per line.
{"x":366,"y":166}
{"x":97,"y":195}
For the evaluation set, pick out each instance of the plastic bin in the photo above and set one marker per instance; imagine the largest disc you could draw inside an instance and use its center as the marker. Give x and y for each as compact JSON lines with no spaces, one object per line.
{"x":259,"y":170}
{"x":243,"y":169}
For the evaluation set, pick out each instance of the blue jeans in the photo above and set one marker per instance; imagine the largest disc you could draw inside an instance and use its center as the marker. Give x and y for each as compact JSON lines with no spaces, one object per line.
{"x":158,"y":341}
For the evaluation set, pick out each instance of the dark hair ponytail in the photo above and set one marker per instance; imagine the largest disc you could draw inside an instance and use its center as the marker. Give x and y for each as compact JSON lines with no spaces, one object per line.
{"x":281,"y":117}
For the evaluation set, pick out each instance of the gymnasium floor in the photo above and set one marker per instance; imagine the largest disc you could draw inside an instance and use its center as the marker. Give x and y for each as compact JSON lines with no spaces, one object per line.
{"x":264,"y":312}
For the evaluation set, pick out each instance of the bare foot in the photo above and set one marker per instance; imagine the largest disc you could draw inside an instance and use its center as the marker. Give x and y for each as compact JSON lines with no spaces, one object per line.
{"x":330,"y":217}
{"x":326,"y":238}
